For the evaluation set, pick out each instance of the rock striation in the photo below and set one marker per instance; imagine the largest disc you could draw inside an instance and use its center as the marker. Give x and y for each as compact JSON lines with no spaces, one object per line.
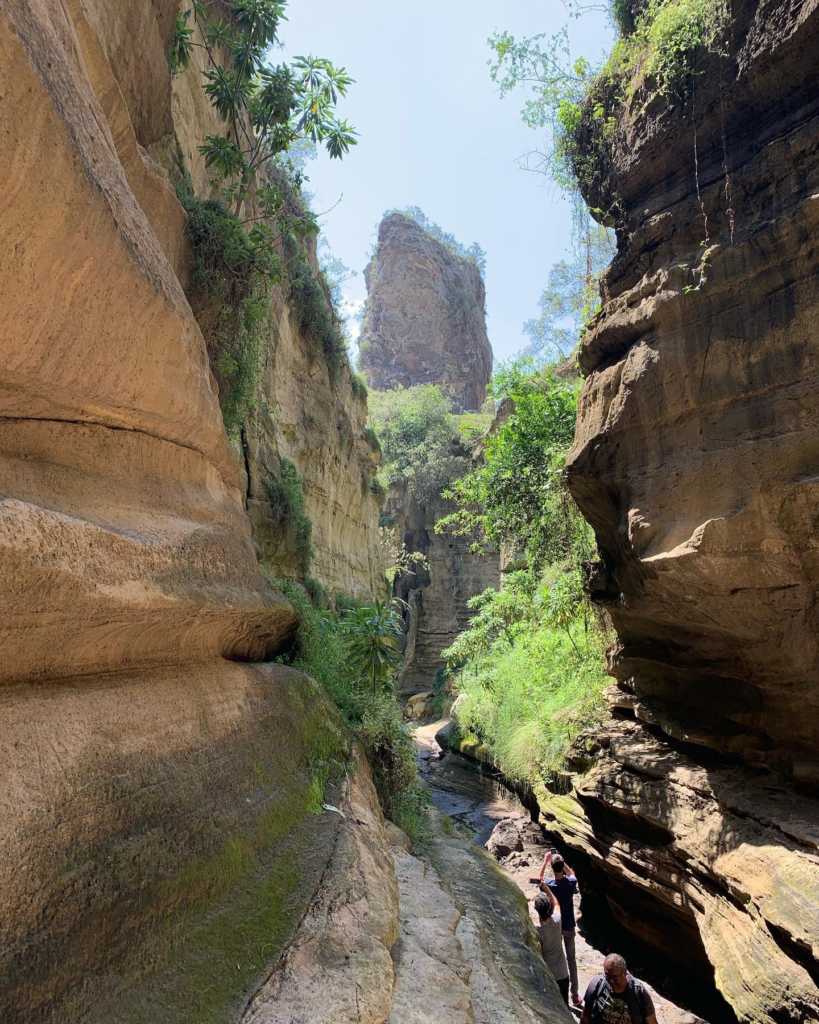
{"x":426,"y":316}
{"x":696,"y":462}
{"x":160,"y":829}
{"x":437,"y":596}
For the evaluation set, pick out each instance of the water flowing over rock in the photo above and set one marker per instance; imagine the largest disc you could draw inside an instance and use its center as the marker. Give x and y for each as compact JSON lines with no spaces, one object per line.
{"x":696,"y":461}
{"x":426,"y":317}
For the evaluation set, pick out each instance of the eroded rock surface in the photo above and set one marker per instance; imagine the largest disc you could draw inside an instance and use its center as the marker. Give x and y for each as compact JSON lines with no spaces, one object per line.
{"x":158,"y":835}
{"x":426,"y":316}
{"x":339,"y":970}
{"x":437,"y":597}
{"x":696,"y":461}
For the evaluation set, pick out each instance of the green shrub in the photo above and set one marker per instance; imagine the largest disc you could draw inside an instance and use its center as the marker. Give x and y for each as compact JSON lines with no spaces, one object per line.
{"x":662,"y":47}
{"x":286,"y":497}
{"x":673,"y":31}
{"x":310,"y":302}
{"x":471,"y":426}
{"x":530,"y":667}
{"x":622,"y":16}
{"x":391,"y":753}
{"x":418,"y":436}
{"x":233,"y":270}
{"x":372,"y":438}
{"x":317,"y":592}
{"x":527,"y":693}
{"x":328,"y":647}
{"x":517,"y":493}
{"x":359,"y":386}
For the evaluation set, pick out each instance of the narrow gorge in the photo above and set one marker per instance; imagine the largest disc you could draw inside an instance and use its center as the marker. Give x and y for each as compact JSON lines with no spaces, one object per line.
{"x":232,"y":565}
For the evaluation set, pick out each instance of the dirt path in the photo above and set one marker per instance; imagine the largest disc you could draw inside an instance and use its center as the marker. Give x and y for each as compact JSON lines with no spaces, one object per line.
{"x":479,"y":803}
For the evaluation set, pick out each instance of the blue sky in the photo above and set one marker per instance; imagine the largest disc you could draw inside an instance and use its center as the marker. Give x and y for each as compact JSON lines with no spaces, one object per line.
{"x":434,"y":133}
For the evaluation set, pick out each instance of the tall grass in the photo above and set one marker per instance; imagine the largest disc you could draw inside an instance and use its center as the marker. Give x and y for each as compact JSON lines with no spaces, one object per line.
{"x":528,"y":696}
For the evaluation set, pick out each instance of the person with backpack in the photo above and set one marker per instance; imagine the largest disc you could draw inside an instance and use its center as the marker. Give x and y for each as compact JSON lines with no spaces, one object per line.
{"x":616,"y":997}
{"x":551,"y":940}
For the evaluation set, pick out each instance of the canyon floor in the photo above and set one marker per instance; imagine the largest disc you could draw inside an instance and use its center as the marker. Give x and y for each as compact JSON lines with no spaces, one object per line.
{"x":478,"y":803}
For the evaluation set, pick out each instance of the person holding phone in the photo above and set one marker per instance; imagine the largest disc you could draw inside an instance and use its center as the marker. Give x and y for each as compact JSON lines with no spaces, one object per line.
{"x":564,"y":886}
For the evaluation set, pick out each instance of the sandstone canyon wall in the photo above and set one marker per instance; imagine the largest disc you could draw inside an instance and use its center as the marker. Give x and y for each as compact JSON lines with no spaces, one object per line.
{"x":437,"y":596}
{"x":159,"y":839}
{"x":696,"y":459}
{"x":426,"y":318}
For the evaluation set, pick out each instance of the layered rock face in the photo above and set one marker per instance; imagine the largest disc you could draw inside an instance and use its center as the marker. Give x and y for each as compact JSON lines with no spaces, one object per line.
{"x":426,"y":317}
{"x":159,"y":839}
{"x":437,"y":597}
{"x":317,"y":424}
{"x":696,"y":461}
{"x":305,"y":412}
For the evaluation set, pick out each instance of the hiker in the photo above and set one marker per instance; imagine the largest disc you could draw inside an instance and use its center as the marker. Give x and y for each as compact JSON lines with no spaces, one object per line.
{"x":564,"y":886}
{"x":551,"y":940}
{"x":615,"y":997}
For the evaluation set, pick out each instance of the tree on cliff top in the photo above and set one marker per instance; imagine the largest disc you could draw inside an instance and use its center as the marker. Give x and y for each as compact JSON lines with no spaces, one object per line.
{"x":266,"y":108}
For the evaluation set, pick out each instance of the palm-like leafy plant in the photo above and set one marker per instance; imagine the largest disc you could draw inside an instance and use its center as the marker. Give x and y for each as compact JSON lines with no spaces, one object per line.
{"x":266,"y":109}
{"x":373,"y":636}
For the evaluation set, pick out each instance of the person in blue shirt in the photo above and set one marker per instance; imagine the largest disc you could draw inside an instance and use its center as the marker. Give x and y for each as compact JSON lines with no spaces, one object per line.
{"x":564,"y":886}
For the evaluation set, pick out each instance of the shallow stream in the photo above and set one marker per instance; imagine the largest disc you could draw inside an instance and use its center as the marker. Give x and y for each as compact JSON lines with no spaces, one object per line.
{"x":478,"y":801}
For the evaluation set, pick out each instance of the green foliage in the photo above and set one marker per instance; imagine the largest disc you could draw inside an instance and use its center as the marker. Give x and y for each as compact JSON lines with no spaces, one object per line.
{"x":529,"y":669}
{"x":672,"y":32}
{"x":266,"y":109}
{"x":372,"y":438}
{"x":286,"y":497}
{"x":572,"y":295}
{"x":236,"y":268}
{"x":473,"y":253}
{"x":471,"y":426}
{"x":374,"y":634}
{"x":340,"y":650}
{"x":359,"y":386}
{"x":528,"y":692}
{"x":418,"y":434}
{"x":311,"y":302}
{"x":181,"y":45}
{"x":517,"y":494}
{"x":557,"y":85}
{"x":391,"y":753}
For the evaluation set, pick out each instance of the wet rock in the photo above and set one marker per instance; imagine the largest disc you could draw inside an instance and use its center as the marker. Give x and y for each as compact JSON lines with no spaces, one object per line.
{"x":505,"y":839}
{"x":467,"y":950}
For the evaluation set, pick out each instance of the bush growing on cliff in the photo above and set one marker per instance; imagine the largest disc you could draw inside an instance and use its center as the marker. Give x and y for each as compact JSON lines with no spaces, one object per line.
{"x":529,"y":691}
{"x":311,"y":301}
{"x":285,"y":494}
{"x":233,"y":272}
{"x":529,"y":669}
{"x":266,"y":109}
{"x":334,"y":648}
{"x":516,"y":495}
